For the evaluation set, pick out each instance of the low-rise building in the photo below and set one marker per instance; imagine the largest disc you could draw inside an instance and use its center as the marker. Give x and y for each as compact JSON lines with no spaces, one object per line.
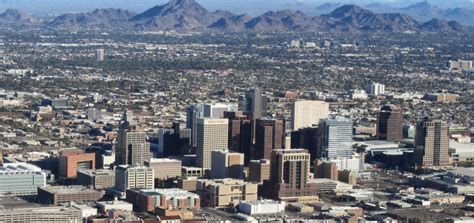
{"x":165,"y":168}
{"x":98,"y":179}
{"x":170,"y":198}
{"x":21,"y":179}
{"x":57,"y":195}
{"x":41,"y":214}
{"x":226,"y":192}
{"x":106,"y":206}
{"x":262,"y":207}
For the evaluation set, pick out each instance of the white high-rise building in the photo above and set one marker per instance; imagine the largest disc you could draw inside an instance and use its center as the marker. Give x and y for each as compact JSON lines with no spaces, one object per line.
{"x":100,"y":55}
{"x":139,"y":177}
{"x":212,"y":134}
{"x":308,"y":113}
{"x":376,"y":89}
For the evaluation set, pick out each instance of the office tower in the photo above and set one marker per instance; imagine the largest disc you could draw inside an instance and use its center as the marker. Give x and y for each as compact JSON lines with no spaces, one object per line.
{"x":240,"y":133}
{"x":306,"y":138}
{"x":211,"y":135}
{"x":289,"y":174}
{"x":165,"y":168}
{"x":375,"y":89}
{"x":132,"y":147}
{"x":217,"y":110}
{"x":100,"y":55}
{"x":259,"y":171}
{"x":72,"y":160}
{"x":269,"y":136}
{"x":347,"y":176}
{"x":324,"y":169}
{"x":335,"y":138}
{"x":97,"y":179}
{"x":21,"y":179}
{"x":127,"y":177}
{"x":308,"y":113}
{"x":254,"y":102}
{"x":227,"y":164}
{"x":431,"y":144}
{"x":193,"y":113}
{"x":225,"y":192}
{"x":390,"y":123}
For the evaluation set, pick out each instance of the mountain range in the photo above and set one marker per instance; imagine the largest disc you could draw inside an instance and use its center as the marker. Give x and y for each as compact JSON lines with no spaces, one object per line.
{"x":188,"y":15}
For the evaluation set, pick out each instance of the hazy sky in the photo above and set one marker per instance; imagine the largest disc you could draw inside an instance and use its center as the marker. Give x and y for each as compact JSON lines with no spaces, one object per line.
{"x":42,"y":7}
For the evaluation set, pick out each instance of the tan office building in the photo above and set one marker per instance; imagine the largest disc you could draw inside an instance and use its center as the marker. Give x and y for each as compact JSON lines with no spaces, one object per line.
{"x":227,"y":164}
{"x":212,"y":134}
{"x":136,"y":177}
{"x":165,"y":168}
{"x":308,"y":113}
{"x":225,"y":192}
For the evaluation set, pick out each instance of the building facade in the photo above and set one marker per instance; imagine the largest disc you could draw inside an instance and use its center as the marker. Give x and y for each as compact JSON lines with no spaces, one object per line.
{"x":335,"y":138}
{"x":227,"y":164}
{"x":99,"y":179}
{"x":21,"y":179}
{"x":225,"y":192}
{"x":140,"y":177}
{"x":432,"y":144}
{"x":212,"y":134}
{"x":259,"y":171}
{"x":42,"y":214}
{"x":169,"y":198}
{"x":308,"y":113}
{"x":132,"y":147}
{"x":240,"y":133}
{"x":269,"y":136}
{"x":72,"y":160}
{"x":165,"y":168}
{"x":57,"y":195}
{"x":390,"y":123}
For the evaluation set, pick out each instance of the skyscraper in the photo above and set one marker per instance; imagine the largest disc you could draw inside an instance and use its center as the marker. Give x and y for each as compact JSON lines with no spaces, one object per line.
{"x":431,"y":144}
{"x":335,"y":138}
{"x":240,"y":132}
{"x":211,"y":135}
{"x":217,"y":110}
{"x":390,"y":123}
{"x":308,"y":113}
{"x":306,"y":138}
{"x":254,"y":102}
{"x":132,"y":147}
{"x":289,"y":174}
{"x":269,"y":136}
{"x":192,"y":114}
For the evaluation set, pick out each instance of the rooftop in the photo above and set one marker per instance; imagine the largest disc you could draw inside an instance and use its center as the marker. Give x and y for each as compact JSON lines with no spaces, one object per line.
{"x":170,"y":192}
{"x":163,"y":160}
{"x":99,"y":172}
{"x":18,"y":168}
{"x":68,"y":189}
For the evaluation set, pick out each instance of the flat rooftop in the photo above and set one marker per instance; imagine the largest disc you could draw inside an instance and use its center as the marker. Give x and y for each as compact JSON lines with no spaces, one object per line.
{"x":100,"y":172}
{"x":68,"y":189}
{"x":163,"y":160}
{"x":18,"y":168}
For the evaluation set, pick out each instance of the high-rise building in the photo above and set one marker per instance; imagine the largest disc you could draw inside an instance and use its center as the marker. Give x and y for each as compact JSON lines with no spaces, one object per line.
{"x":21,"y":178}
{"x":140,"y":177}
{"x":217,"y":110}
{"x":194,"y":112}
{"x":259,"y":171}
{"x":308,"y":113}
{"x":335,"y":138}
{"x":375,"y":89}
{"x":254,"y":102}
{"x":72,"y":160}
{"x":132,"y":147}
{"x":289,"y":175}
{"x":211,"y":135}
{"x":269,"y":136}
{"x":390,"y":123}
{"x":431,"y":144}
{"x":165,"y":168}
{"x":240,"y":133}
{"x":227,"y":164}
{"x":306,"y":138}
{"x":100,"y":55}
